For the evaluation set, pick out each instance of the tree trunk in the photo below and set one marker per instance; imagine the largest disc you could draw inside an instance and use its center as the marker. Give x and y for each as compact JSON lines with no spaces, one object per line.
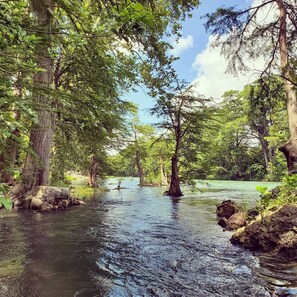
{"x":139,"y":169}
{"x":93,"y":172}
{"x":174,"y":189}
{"x":164,"y":181}
{"x":290,"y":147}
{"x":36,"y":167}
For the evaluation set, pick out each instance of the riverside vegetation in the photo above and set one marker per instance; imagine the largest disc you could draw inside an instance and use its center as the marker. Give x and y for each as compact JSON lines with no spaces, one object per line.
{"x":270,"y":228}
{"x":65,"y":67}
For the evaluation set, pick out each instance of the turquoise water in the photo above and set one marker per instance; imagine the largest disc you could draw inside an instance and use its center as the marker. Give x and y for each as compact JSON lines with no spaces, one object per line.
{"x":134,"y":242}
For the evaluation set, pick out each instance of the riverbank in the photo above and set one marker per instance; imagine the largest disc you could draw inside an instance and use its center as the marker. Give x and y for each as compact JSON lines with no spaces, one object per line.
{"x":274,"y":231}
{"x":131,"y":242}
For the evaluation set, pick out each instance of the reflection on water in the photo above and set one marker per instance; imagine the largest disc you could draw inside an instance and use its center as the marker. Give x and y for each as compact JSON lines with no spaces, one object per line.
{"x":133,"y":242}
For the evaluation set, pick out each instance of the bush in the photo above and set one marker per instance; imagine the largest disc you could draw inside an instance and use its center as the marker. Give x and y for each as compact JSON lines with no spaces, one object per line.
{"x":281,"y":195}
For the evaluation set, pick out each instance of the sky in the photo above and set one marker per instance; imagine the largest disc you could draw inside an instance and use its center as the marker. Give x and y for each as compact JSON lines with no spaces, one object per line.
{"x":198,"y":61}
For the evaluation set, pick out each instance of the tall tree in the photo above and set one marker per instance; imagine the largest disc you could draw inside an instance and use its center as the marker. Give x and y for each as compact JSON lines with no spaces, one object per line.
{"x":182,"y":111}
{"x":75,"y":42}
{"x":36,"y":168}
{"x":264,"y":99}
{"x":245,"y":36}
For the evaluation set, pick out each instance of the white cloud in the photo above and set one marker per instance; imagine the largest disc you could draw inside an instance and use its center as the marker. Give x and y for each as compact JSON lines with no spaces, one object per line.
{"x":181,"y":45}
{"x":212,"y":79}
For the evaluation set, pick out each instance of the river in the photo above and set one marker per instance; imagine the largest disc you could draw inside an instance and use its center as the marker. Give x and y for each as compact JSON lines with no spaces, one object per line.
{"x":137,"y":242}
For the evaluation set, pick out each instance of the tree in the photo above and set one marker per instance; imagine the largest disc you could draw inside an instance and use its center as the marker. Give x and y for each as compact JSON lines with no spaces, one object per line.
{"x":182,"y":111}
{"x":16,"y":59}
{"x":36,"y":168}
{"x":135,"y":149}
{"x":264,"y":99}
{"x":235,"y":148}
{"x":140,"y":133}
{"x":79,"y":64}
{"x":245,"y":38}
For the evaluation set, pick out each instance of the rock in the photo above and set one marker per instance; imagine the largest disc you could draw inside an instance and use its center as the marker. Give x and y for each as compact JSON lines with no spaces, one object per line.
{"x":252,"y":213}
{"x":80,"y":202}
{"x":52,"y":195}
{"x":46,"y":207}
{"x":36,"y":203}
{"x":274,"y":234}
{"x":222,"y":222}
{"x":44,"y":198}
{"x":236,"y":221}
{"x":64,"y":204}
{"x":17,"y":204}
{"x":226,"y":209}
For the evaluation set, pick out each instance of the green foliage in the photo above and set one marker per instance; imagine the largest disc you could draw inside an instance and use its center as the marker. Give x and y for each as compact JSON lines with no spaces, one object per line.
{"x":83,"y":192}
{"x":277,"y":168}
{"x":7,"y":203}
{"x":290,"y":181}
{"x":262,"y":189}
{"x":3,"y":189}
{"x":279,"y":196}
{"x":92,"y":49}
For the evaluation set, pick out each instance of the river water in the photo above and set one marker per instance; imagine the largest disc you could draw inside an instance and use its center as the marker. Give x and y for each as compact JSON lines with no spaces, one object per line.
{"x":136,"y":242}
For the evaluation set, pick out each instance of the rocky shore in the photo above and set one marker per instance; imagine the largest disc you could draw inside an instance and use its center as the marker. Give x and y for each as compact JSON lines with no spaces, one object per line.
{"x":274,"y":234}
{"x":45,"y":198}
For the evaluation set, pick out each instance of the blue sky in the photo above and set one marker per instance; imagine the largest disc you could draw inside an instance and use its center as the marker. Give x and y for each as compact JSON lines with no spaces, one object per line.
{"x":197,"y":60}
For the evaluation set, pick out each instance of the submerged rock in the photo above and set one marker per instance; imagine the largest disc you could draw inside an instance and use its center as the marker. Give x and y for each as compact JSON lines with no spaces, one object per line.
{"x":275,"y":233}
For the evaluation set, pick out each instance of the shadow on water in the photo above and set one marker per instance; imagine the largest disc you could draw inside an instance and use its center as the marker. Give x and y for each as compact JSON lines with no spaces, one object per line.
{"x":130,"y":242}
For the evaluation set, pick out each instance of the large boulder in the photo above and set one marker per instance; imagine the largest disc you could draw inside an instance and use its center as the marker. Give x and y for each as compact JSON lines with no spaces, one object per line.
{"x":46,"y":198}
{"x":275,"y":233}
{"x":48,"y":194}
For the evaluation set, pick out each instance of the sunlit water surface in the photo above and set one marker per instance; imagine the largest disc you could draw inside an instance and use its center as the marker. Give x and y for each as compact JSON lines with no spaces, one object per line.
{"x":136,"y":242}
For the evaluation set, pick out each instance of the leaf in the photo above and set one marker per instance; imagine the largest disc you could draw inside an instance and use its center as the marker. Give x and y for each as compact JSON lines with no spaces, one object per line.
{"x":6,"y":202}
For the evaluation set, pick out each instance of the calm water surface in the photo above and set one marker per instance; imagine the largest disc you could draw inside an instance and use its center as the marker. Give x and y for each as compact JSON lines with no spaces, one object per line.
{"x":136,"y":242}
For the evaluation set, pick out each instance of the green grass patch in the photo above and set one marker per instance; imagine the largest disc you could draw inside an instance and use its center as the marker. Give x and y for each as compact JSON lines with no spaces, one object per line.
{"x":83,"y":192}
{"x":70,"y":178}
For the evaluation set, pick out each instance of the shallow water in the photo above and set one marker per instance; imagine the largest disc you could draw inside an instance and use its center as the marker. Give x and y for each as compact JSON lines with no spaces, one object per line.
{"x":136,"y":242}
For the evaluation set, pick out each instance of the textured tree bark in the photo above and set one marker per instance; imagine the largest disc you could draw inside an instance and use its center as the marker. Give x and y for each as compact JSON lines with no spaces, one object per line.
{"x":139,"y":169}
{"x":174,"y":189}
{"x":93,"y":171}
{"x":36,"y":168}
{"x":164,"y":181}
{"x":290,"y":147}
